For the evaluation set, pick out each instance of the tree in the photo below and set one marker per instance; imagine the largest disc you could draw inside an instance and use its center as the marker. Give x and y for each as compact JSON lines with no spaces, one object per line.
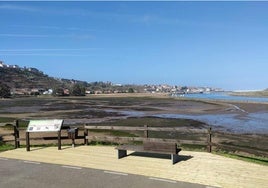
{"x":4,"y":91}
{"x":58,"y":92}
{"x":131,"y":90}
{"x":78,"y":90}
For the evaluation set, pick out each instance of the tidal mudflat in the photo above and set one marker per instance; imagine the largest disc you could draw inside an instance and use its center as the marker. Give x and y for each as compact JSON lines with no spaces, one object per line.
{"x":239,"y":117}
{"x":236,"y":123}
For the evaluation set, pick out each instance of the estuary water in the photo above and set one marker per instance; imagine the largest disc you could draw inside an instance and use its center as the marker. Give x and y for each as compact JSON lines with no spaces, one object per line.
{"x":247,"y":123}
{"x":225,"y":96}
{"x":253,"y":123}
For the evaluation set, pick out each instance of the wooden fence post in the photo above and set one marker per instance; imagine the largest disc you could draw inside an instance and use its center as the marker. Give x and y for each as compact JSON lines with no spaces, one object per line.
{"x":27,"y":141}
{"x":85,"y":136}
{"x":59,"y":140}
{"x":209,"y":144}
{"x":16,"y":134}
{"x":146,"y":131}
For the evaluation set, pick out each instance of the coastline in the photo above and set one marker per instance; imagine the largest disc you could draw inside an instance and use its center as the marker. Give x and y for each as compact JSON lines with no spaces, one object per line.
{"x":231,"y":121}
{"x":110,"y":107}
{"x":250,"y":94}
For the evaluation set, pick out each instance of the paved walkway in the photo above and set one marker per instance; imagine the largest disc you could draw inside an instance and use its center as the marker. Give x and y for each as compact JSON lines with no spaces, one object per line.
{"x":195,"y":167}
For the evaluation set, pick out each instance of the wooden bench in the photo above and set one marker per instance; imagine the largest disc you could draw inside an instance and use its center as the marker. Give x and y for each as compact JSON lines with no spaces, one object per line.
{"x":152,"y":147}
{"x":149,"y":145}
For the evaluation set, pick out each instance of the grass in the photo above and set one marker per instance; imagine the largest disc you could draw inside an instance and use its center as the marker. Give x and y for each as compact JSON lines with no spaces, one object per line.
{"x":22,"y":124}
{"x":6,"y":119}
{"x":5,"y":147}
{"x":114,"y":133}
{"x":252,"y":159}
{"x":154,"y":122}
{"x":193,"y":147}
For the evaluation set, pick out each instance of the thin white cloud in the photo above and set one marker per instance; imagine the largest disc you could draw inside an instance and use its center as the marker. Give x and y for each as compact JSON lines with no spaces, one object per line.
{"x":18,"y":8}
{"x":51,"y":55}
{"x":51,"y":27}
{"x":35,"y":26}
{"x":24,"y":35}
{"x":76,"y":36}
{"x":115,"y":16}
{"x":48,"y":49}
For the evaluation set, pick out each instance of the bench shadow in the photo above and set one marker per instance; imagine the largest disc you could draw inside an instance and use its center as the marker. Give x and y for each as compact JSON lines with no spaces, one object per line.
{"x":66,"y":147}
{"x":162,"y":156}
{"x":37,"y":148}
{"x":70,"y":147}
{"x":44,"y":147}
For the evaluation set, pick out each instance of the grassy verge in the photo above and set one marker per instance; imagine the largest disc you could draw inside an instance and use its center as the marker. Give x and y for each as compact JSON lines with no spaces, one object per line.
{"x":252,"y":159}
{"x":6,"y":119}
{"x":5,"y":147}
{"x":193,"y":147}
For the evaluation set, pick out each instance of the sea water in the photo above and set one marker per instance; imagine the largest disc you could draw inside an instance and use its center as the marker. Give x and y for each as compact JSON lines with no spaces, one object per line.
{"x":249,"y":123}
{"x":225,"y":96}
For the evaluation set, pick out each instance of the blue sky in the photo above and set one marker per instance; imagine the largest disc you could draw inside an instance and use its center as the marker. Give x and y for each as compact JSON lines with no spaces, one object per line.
{"x":217,"y":44}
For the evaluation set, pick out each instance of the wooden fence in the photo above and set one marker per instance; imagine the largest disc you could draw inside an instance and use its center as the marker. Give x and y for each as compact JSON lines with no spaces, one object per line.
{"x":209,"y":140}
{"x":17,"y":138}
{"x":145,"y":136}
{"x":15,"y":133}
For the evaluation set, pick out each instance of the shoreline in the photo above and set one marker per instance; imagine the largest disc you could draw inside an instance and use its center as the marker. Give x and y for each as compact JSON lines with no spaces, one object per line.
{"x":261,"y":94}
{"x":111,"y":107}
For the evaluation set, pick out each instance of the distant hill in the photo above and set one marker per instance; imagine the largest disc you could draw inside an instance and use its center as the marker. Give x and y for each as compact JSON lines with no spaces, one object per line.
{"x":25,"y":80}
{"x":263,"y":93}
{"x":30,"y":78}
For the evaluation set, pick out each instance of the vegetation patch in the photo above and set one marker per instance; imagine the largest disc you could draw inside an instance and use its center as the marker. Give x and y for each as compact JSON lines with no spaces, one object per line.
{"x":6,"y":119}
{"x":5,"y":147}
{"x":253,"y":159}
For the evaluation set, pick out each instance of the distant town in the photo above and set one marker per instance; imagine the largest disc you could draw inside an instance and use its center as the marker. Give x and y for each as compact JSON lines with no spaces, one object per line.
{"x":31,"y":81}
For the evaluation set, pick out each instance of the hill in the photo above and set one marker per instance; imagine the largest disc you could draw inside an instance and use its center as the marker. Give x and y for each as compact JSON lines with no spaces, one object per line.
{"x":29,"y":79}
{"x":263,"y":93}
{"x":26,"y":78}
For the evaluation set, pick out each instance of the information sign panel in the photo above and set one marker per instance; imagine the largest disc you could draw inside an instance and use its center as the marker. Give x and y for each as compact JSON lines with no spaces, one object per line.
{"x":52,"y":125}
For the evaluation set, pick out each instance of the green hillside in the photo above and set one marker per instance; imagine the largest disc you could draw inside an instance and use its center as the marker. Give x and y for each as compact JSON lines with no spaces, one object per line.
{"x":27,"y":78}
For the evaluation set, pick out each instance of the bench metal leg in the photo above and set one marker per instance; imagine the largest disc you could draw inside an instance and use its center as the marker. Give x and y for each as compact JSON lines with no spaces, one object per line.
{"x":174,"y":158}
{"x":122,"y":153}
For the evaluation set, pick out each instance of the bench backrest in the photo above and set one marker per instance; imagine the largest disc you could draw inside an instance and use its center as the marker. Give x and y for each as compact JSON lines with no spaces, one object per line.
{"x":168,"y":147}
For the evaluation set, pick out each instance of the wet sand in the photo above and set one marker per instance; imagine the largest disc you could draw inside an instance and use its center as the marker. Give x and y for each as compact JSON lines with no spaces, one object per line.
{"x":109,"y":107}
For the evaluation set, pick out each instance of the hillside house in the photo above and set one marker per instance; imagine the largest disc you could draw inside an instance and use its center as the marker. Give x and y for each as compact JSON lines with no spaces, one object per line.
{"x":2,"y":64}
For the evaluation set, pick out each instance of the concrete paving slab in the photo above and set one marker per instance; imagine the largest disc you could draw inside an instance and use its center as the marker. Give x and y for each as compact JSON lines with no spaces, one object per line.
{"x":194,"y":167}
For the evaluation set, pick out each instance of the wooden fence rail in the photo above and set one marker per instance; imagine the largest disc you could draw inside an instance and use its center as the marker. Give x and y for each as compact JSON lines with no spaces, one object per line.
{"x":146,"y":128}
{"x":209,"y":142}
{"x":15,"y":133}
{"x":145,"y":137}
{"x":132,"y":139}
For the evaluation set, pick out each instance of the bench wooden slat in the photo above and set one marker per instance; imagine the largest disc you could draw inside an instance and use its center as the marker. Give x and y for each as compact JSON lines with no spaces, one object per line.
{"x":130,"y":147}
{"x":160,"y":147}
{"x":129,"y":139}
{"x":151,"y":147}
